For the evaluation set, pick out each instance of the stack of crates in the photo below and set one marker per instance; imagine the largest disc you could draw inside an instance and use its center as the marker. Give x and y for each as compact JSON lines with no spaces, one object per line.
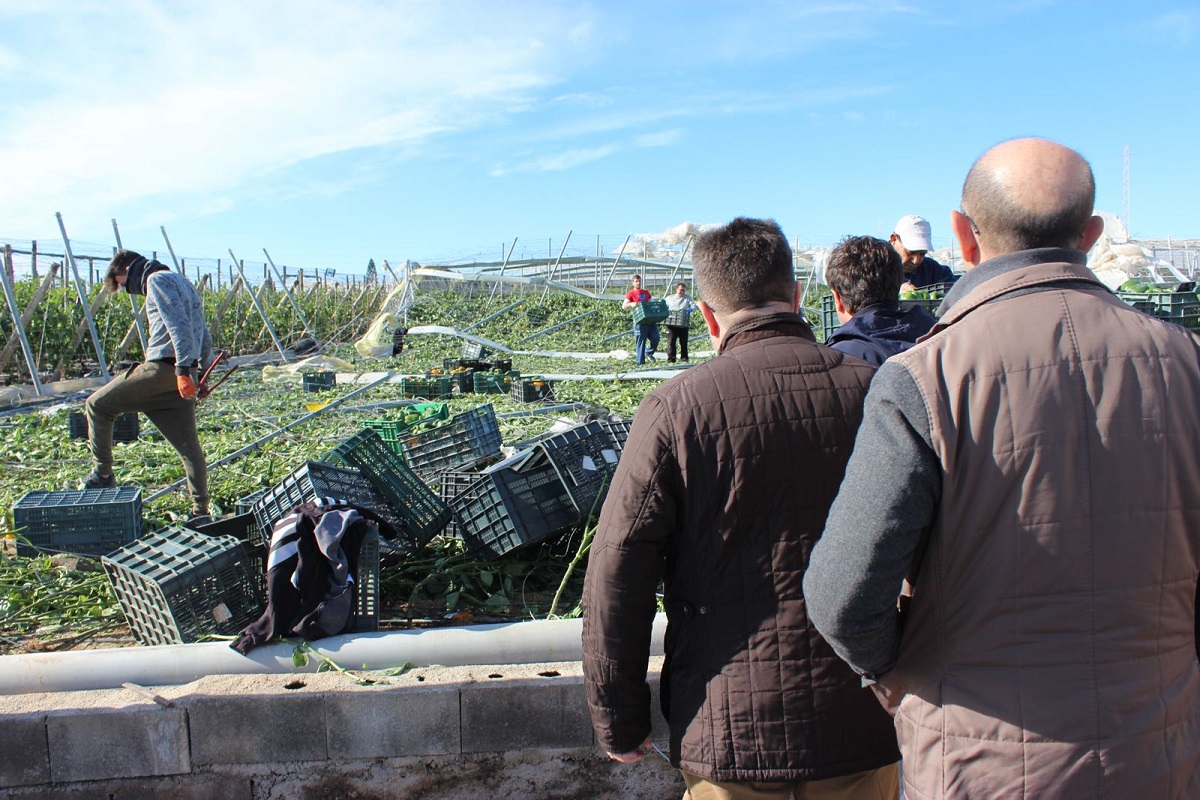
{"x":318,"y":381}
{"x":85,"y":521}
{"x":650,"y":311}
{"x":510,"y":505}
{"x":532,"y":388}
{"x":466,"y":437}
{"x":422,"y":514}
{"x":176,"y":586}
{"x":125,"y":429}
{"x":310,"y":481}
{"x":393,"y":430}
{"x":679,"y":319}
{"x":1180,"y":306}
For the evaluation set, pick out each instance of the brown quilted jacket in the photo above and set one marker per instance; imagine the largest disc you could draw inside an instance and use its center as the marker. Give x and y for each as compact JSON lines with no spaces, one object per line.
{"x":1049,"y":650}
{"x":721,"y":492}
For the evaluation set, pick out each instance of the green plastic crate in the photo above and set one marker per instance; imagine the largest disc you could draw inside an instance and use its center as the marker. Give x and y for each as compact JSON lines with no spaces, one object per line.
{"x":467,"y":436}
{"x":650,"y":311}
{"x":422,"y":513}
{"x":176,"y":586}
{"x":432,"y":387}
{"x":1181,"y":306}
{"x":315,"y":479}
{"x":392,"y":430}
{"x":495,"y":382}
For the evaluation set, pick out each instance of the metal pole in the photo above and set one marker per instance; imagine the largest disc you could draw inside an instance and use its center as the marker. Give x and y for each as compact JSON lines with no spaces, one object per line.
{"x":259,"y":308}
{"x":554,"y":268}
{"x":170,"y":249}
{"x":388,"y":267}
{"x":83,"y":301}
{"x":686,"y":244}
{"x":612,"y":271}
{"x":133,"y":305}
{"x":256,"y":444}
{"x":295,"y":305}
{"x":496,"y":285}
{"x":491,"y":317}
{"x":553,"y":328}
{"x":11,"y":298}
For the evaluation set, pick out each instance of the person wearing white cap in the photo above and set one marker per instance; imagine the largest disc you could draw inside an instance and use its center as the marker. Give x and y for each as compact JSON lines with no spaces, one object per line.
{"x":912,"y":240}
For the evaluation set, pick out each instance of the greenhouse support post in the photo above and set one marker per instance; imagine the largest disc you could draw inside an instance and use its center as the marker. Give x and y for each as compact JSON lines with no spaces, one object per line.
{"x":283,"y":282}
{"x":554,"y":267}
{"x":11,"y":299}
{"x":259,"y":308}
{"x":498,"y":284}
{"x":83,"y":301}
{"x":616,"y":260}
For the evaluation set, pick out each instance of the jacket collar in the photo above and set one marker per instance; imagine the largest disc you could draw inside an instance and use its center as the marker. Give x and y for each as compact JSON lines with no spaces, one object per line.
{"x":138,"y":272}
{"x":766,"y":326}
{"x":1020,"y":272}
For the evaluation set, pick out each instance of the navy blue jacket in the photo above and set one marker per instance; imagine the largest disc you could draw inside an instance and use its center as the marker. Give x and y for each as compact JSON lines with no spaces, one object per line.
{"x":881,"y":330}
{"x":928,"y":273}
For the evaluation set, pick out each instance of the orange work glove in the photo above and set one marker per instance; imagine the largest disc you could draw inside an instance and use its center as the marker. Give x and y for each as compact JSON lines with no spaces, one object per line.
{"x":186,"y":386}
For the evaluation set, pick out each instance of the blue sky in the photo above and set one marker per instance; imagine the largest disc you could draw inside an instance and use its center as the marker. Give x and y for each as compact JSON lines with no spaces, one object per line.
{"x":331,"y":133}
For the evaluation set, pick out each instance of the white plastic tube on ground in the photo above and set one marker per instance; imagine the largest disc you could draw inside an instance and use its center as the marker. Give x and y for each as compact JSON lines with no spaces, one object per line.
{"x":167,"y":665}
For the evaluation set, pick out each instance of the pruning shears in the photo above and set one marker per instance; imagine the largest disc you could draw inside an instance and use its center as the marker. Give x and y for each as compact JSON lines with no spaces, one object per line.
{"x":203,"y":388}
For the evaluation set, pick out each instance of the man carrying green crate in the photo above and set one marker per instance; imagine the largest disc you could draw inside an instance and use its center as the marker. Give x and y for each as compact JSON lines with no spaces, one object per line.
{"x":163,"y":387}
{"x":864,"y":274}
{"x":681,"y":305}
{"x":643,"y":332}
{"x":720,"y":493}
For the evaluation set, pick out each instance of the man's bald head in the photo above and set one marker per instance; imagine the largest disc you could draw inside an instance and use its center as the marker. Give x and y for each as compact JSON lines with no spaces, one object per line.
{"x":1029,"y":193}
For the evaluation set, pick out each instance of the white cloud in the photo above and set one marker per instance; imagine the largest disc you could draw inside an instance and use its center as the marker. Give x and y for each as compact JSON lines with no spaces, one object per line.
{"x":211,"y":97}
{"x":558,"y":161}
{"x":1178,"y":25}
{"x":659,"y":139}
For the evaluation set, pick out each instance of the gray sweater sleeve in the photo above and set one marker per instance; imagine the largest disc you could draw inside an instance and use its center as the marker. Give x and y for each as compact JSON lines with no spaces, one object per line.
{"x":886,"y":504}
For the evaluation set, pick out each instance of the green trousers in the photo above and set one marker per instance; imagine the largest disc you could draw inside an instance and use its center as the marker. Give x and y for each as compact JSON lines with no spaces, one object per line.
{"x":150,"y":388}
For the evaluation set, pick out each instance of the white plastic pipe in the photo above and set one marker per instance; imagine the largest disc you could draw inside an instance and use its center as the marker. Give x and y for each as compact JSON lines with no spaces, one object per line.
{"x":168,"y":665}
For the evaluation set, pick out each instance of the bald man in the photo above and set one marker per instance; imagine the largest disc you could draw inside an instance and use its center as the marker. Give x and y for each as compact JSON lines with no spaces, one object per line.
{"x":1027,"y":478}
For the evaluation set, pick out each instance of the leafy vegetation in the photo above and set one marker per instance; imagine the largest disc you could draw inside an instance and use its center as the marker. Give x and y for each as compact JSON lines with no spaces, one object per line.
{"x":48,"y":603}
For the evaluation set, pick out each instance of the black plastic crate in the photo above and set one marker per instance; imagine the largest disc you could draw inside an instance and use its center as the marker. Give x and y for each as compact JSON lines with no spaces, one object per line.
{"x":310,"y":481}
{"x":85,"y":521}
{"x":176,"y":586}
{"x":318,"y":381}
{"x":585,"y":459}
{"x":532,"y":388}
{"x":679,"y":319}
{"x":466,"y":437}
{"x":453,"y":482}
{"x":429,"y":387}
{"x":618,"y":431}
{"x":127,"y":427}
{"x":513,"y":504}
{"x":422,"y":514}
{"x":245,"y":505}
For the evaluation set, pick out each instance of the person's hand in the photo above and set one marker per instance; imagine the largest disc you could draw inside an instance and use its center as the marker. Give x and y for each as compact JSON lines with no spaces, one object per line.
{"x":186,"y":386}
{"x":907,"y":287}
{"x":633,"y":756}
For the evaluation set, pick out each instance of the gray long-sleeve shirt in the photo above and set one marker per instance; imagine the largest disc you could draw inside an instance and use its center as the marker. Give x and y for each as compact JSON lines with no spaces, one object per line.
{"x":175,"y":321}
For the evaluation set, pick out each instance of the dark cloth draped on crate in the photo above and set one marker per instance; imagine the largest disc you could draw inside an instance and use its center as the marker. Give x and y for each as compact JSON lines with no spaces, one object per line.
{"x":311,"y":572}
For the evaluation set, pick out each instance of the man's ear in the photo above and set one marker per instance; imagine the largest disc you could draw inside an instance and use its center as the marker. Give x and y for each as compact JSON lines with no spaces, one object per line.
{"x":714,"y":327}
{"x":964,"y":232}
{"x":837,"y":302}
{"x":1091,"y":233}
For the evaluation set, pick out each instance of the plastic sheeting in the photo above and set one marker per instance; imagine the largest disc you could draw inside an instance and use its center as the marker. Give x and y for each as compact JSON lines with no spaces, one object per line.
{"x":294,"y":372}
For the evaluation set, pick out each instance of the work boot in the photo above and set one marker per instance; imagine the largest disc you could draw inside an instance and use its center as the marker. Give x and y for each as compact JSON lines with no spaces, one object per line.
{"x":97,"y":481}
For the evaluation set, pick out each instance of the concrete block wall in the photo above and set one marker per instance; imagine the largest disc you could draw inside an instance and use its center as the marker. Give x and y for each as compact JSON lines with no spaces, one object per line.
{"x":520,"y":731}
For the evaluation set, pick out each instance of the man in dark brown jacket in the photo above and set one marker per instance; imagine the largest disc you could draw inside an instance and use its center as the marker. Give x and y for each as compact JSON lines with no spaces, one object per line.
{"x":1032,"y":468}
{"x":721,"y":493}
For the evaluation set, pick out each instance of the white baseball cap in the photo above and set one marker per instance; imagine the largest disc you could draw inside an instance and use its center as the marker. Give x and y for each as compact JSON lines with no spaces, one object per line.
{"x":914,"y":233}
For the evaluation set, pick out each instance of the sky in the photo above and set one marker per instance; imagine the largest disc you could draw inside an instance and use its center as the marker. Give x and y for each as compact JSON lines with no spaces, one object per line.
{"x":331,"y":133}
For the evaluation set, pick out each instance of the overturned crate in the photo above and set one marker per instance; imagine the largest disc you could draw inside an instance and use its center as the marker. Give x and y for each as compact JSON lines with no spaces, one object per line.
{"x":515,"y":503}
{"x":466,"y":437}
{"x":177,"y":586}
{"x":585,"y":458}
{"x":421,"y":513}
{"x":453,"y":482}
{"x":618,"y":430}
{"x":314,"y":480}
{"x":85,"y":521}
